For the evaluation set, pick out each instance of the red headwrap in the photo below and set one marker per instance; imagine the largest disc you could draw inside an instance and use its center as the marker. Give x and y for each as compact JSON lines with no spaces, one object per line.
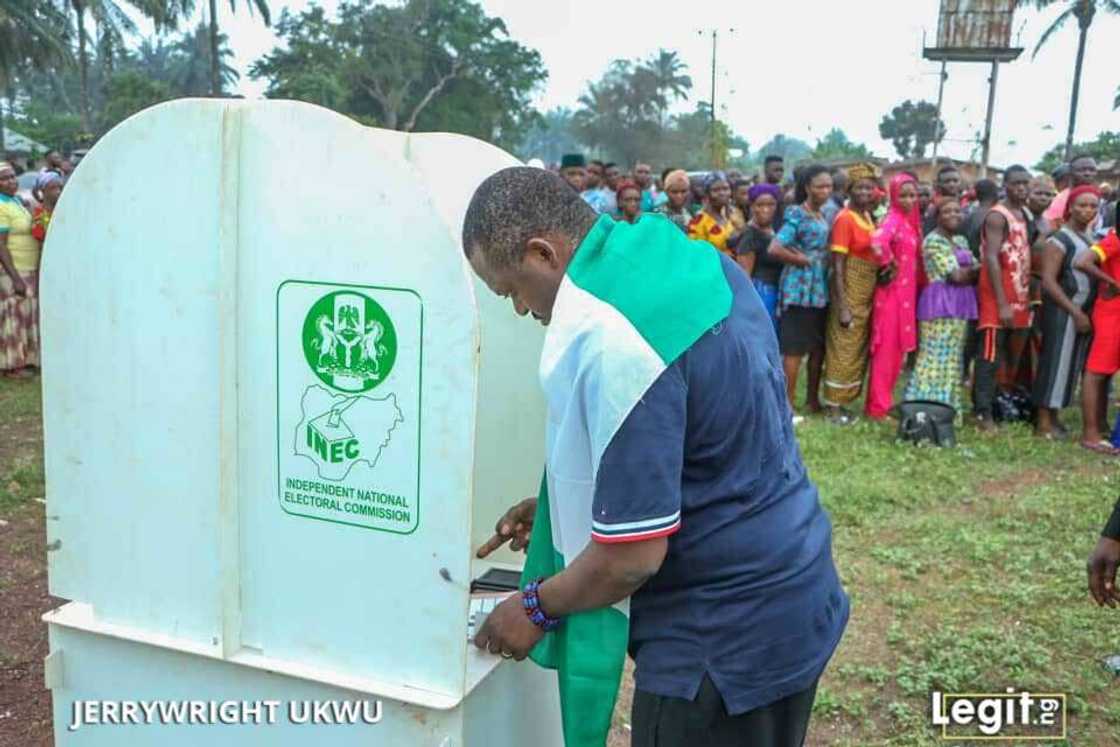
{"x":912,"y":217}
{"x":1084,"y":189}
{"x":626,"y":184}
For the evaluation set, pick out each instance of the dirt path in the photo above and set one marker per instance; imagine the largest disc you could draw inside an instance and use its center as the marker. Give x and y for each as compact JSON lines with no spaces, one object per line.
{"x":25,"y":704}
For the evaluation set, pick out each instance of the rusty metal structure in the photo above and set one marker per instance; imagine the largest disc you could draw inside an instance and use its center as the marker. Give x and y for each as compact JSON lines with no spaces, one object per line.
{"x":974,"y":31}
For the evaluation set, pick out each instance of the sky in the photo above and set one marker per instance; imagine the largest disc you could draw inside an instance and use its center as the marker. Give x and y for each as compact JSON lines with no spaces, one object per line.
{"x":799,"y":67}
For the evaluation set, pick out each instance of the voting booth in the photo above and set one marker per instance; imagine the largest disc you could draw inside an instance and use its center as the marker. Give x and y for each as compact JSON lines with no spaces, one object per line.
{"x":280,"y":414}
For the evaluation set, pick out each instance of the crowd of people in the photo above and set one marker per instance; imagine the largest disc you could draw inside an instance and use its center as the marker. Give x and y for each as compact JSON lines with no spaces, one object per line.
{"x":24,"y":221}
{"x":1008,"y":290}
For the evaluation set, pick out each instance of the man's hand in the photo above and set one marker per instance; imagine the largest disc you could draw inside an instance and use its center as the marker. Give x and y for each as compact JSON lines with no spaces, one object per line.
{"x":508,"y":631}
{"x":1006,"y":316}
{"x":19,"y":286}
{"x":845,"y":317}
{"x":514,"y":527}
{"x":1102,"y":572}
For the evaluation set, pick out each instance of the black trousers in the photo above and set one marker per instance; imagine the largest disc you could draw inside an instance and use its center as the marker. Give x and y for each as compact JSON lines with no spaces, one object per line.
{"x":658,"y":721}
{"x":999,"y":348}
{"x":971,"y":346}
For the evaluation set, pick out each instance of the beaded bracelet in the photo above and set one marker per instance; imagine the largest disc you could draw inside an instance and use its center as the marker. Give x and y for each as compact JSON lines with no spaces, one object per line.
{"x":530,"y":600}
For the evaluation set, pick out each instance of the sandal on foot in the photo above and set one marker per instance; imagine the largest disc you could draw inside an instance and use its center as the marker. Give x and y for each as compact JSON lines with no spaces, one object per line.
{"x":1101,"y":447}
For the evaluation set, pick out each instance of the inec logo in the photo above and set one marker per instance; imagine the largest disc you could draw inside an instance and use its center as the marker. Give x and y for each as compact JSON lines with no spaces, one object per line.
{"x":349,"y":341}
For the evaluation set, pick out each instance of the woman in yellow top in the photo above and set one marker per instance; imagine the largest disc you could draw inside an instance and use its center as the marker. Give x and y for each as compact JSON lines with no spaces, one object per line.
{"x":852,"y":281}
{"x":719,"y":223}
{"x":19,"y":282}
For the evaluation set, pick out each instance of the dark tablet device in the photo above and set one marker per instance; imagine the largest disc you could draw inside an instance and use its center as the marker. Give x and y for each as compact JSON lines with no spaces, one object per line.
{"x":497,"y":579}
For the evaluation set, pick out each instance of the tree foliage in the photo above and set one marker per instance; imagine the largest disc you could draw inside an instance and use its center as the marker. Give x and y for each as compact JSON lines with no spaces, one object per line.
{"x":32,"y":35}
{"x":1106,"y":146}
{"x":624,"y":116}
{"x":1083,"y":11}
{"x":836,"y":145}
{"x":912,"y":127}
{"x":791,"y":149}
{"x":130,"y":91}
{"x":47,"y":97}
{"x":421,"y":65}
{"x":551,"y":137}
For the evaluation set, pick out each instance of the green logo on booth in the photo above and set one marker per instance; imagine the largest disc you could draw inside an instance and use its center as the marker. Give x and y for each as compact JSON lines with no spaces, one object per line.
{"x":349,"y":341}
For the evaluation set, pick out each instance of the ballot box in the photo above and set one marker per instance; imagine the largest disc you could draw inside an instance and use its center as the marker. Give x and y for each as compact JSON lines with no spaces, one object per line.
{"x":280,"y":414}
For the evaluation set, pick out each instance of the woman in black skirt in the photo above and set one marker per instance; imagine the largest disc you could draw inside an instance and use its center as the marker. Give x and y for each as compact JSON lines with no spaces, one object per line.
{"x":802,"y":245}
{"x":1067,"y":297}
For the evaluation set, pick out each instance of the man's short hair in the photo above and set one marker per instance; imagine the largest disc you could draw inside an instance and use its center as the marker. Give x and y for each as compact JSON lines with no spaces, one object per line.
{"x":772,"y":159}
{"x":517,"y":204}
{"x":1014,"y":170}
{"x":595,"y":162}
{"x":986,"y":190}
{"x":610,"y":165}
{"x":947,"y":169}
{"x":1081,"y":157}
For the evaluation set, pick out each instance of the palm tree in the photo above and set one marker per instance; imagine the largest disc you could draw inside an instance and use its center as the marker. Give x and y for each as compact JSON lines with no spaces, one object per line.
{"x":671,"y":80}
{"x":1084,"y":11}
{"x":113,"y":24}
{"x":192,"y":74}
{"x":261,"y":7}
{"x":30,"y":34}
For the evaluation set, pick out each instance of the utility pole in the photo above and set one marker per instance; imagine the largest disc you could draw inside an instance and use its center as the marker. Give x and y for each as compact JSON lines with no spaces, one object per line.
{"x":716,"y":154}
{"x":937,"y":121}
{"x":987,"y":143}
{"x":715,"y":145}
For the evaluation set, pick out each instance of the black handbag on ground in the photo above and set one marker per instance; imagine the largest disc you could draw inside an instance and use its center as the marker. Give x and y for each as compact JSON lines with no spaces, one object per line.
{"x":1013,"y":406}
{"x":922,"y":421}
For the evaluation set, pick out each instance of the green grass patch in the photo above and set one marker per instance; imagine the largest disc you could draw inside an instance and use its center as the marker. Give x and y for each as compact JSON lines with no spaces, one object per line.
{"x":967,"y":573}
{"x":19,"y":397}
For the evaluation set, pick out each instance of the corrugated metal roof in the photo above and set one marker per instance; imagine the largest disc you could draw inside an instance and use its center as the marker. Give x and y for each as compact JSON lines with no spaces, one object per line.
{"x":13,"y":141}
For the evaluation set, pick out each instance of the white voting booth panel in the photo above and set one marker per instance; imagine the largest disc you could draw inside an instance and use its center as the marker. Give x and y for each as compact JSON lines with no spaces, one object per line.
{"x":280,"y":413}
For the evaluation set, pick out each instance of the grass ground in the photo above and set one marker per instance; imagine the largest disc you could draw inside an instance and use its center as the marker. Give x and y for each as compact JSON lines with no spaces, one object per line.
{"x":966,"y":570}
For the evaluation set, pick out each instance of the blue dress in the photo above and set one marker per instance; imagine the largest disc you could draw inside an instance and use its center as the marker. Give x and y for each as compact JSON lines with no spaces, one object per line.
{"x":805,"y":286}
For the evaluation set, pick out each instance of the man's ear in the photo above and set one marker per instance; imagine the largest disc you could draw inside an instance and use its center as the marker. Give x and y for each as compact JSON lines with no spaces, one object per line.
{"x":542,"y":251}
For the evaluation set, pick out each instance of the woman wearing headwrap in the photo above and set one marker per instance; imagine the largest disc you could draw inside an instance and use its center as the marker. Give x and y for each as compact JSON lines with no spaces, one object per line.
{"x":1067,"y":298}
{"x":629,"y":198}
{"x":894,"y":324}
{"x":718,"y":222}
{"x":48,"y":188}
{"x":678,"y":191}
{"x":945,"y":307}
{"x":802,"y":244}
{"x":853,"y":279}
{"x":751,"y":251}
{"x":19,"y":282}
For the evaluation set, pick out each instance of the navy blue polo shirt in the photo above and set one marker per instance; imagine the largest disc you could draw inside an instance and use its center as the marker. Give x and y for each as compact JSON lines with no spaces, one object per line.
{"x":748,"y":593}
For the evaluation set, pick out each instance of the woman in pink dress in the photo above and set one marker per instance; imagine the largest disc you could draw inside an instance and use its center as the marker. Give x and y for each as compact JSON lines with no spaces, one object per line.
{"x":894,"y":324}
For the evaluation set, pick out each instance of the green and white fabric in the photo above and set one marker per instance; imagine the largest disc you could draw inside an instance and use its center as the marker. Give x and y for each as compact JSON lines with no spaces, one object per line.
{"x":635,"y":297}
